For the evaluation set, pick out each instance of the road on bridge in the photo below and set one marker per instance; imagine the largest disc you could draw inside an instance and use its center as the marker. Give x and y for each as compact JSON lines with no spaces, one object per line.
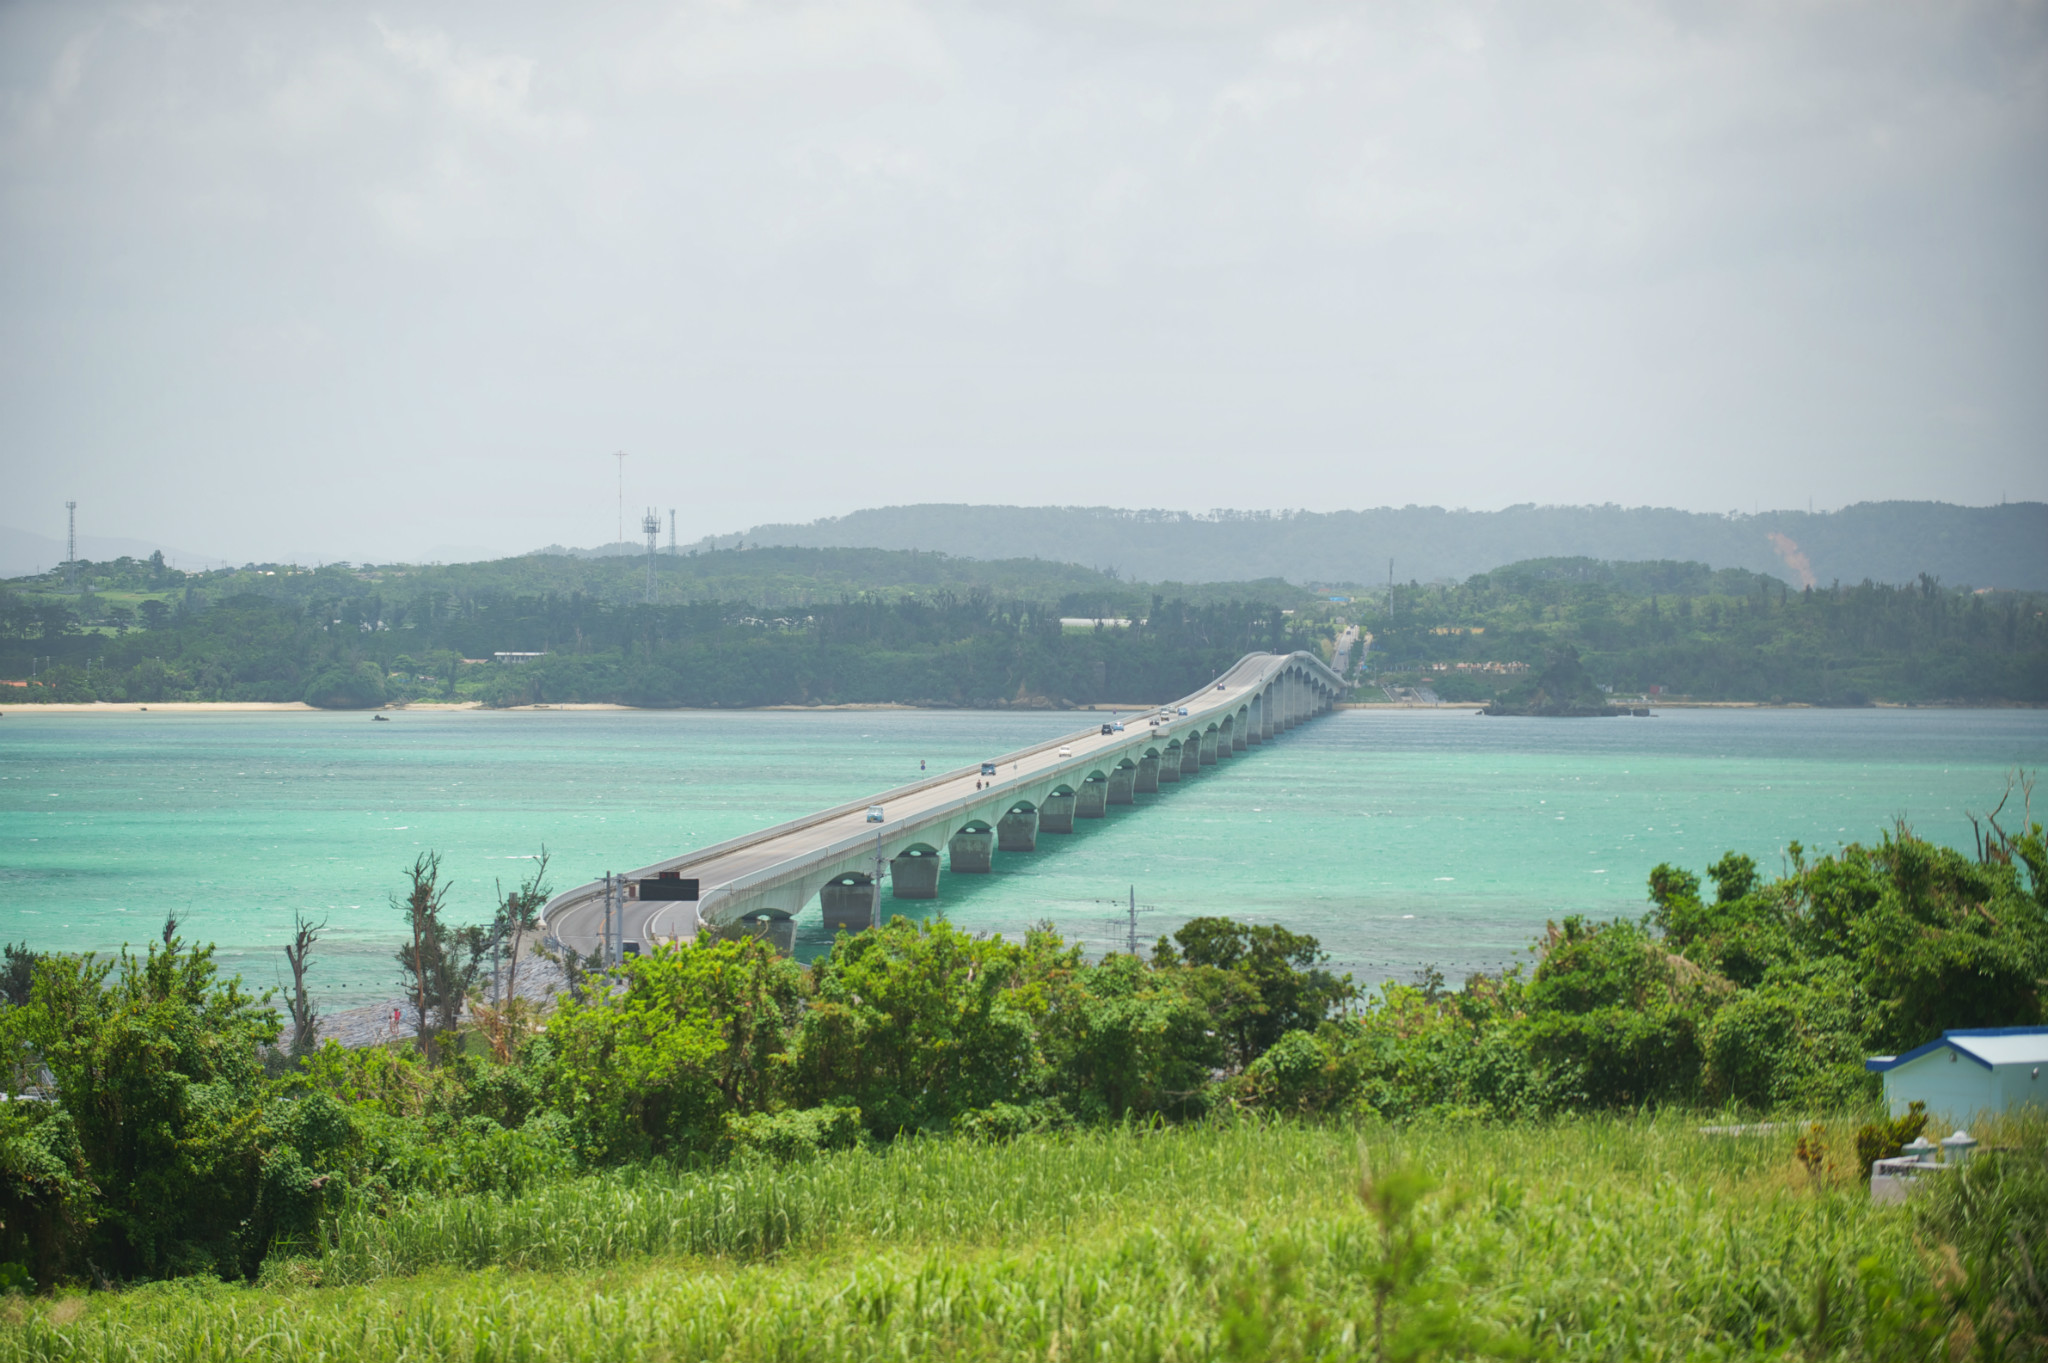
{"x":576,"y":917}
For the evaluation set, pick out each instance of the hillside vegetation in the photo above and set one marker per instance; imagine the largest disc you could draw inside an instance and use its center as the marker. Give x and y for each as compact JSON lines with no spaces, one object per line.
{"x":874,"y":629}
{"x":918,"y":628}
{"x":1727,"y":635}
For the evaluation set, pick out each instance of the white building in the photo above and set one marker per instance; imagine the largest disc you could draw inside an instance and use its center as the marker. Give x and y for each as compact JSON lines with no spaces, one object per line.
{"x":1967,"y":1072}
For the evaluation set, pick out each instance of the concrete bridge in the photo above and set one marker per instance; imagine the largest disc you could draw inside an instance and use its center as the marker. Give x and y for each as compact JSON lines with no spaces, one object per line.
{"x":758,"y":884}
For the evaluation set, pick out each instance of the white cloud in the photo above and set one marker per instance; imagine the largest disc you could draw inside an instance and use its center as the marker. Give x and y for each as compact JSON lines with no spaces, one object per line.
{"x":903,"y":248}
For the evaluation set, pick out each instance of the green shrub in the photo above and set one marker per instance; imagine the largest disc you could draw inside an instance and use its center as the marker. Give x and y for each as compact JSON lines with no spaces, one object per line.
{"x":1887,"y":1139}
{"x":797,"y":1132}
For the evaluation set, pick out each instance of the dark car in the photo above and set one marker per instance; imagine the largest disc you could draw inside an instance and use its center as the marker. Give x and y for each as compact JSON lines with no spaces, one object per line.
{"x":1109,"y":728}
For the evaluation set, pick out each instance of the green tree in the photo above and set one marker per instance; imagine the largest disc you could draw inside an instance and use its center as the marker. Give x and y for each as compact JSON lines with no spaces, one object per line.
{"x":1617,"y":1012}
{"x":696,"y":1034}
{"x":916,"y":1024}
{"x":357,"y":687}
{"x":1258,"y":980}
{"x":1121,"y":1038}
{"x":155,"y":1062}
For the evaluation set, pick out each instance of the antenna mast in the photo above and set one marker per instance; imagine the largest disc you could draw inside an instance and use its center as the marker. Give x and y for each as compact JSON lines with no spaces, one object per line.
{"x":650,"y":526}
{"x":671,"y":532}
{"x":71,"y":543}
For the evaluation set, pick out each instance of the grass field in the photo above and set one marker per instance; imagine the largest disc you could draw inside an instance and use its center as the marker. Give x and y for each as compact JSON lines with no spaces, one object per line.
{"x":1594,"y":1239}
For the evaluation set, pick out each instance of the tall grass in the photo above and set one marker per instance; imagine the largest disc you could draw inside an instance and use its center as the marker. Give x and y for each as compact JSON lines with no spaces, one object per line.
{"x":1594,"y":1240}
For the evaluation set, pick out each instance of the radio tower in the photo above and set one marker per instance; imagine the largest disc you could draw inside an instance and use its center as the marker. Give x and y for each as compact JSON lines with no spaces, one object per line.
{"x":650,"y":525}
{"x":71,"y":544}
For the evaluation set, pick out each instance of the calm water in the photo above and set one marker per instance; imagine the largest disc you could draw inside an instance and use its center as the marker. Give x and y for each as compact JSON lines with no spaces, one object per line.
{"x":1400,"y":839}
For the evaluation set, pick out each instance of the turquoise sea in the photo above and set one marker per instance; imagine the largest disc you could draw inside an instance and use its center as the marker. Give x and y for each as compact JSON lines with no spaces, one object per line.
{"x":1401,"y":838}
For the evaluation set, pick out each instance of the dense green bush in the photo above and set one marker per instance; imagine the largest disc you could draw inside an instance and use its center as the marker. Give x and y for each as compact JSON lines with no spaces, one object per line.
{"x":160,"y":1148}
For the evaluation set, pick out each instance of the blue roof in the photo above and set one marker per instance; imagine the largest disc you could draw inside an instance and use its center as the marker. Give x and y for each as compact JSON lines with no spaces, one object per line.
{"x":1956,"y":1039}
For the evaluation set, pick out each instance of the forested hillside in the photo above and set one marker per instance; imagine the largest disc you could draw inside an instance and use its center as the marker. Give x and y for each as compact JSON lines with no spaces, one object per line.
{"x":342,"y":636}
{"x":807,"y":626}
{"x":1989,"y":546}
{"x":1728,"y":635}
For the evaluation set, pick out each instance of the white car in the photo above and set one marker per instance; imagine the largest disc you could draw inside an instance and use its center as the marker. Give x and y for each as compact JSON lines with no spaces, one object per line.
{"x":1066,"y":752}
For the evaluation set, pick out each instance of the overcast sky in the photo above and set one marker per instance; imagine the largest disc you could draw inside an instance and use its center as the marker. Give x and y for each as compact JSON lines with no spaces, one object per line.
{"x":329,"y":279}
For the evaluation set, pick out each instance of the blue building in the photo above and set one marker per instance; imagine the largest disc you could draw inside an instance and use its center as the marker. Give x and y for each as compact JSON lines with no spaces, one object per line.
{"x":1967,"y":1072}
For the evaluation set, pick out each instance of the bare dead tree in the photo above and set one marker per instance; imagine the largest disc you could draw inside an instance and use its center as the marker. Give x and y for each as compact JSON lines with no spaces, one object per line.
{"x":170,"y":927}
{"x":298,"y":953}
{"x":422,"y":958}
{"x":518,"y":918}
{"x":1994,"y":844}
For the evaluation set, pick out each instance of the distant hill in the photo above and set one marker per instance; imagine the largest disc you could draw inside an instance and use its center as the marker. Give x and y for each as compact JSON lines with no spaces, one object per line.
{"x":23,"y":552}
{"x":1987,"y":546}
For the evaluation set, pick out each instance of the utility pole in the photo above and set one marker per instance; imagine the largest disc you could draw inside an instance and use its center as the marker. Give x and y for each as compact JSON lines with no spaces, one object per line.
{"x":875,"y":911}
{"x":71,"y":543}
{"x":1134,"y":921}
{"x":604,"y":945}
{"x":671,"y":532}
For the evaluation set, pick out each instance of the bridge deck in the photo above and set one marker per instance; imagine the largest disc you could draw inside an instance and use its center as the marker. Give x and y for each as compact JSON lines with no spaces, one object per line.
{"x":782,"y":867}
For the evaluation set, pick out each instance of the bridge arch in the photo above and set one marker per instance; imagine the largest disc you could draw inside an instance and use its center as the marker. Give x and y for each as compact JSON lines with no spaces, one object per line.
{"x":914,"y":872}
{"x":971,"y":851}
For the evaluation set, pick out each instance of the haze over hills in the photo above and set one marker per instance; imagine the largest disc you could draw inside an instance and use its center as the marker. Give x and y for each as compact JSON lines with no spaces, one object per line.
{"x":23,"y":551}
{"x":1988,"y":546}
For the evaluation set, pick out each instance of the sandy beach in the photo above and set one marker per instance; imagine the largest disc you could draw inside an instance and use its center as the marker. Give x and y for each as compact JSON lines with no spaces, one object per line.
{"x":188,"y":707}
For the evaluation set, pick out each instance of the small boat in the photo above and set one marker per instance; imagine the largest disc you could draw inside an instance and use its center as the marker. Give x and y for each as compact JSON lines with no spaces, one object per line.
{"x":381,"y":719}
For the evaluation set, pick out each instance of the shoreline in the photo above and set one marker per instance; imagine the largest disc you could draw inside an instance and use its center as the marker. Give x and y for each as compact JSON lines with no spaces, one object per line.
{"x":299,"y":707}
{"x":295,"y":707}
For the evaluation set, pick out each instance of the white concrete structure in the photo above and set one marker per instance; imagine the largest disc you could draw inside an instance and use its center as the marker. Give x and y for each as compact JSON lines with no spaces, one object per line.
{"x":1968,"y":1072}
{"x":839,"y":859}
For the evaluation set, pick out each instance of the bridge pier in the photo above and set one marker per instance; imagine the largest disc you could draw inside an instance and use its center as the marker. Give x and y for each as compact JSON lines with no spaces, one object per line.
{"x":972,"y":851}
{"x":848,"y":903}
{"x":1123,"y":785}
{"x":1240,"y":731}
{"x":1256,"y":717}
{"x":1056,"y":813}
{"x":1266,"y":699}
{"x":1191,"y":755}
{"x":1092,"y":801}
{"x":1017,"y":831}
{"x":1169,"y":763}
{"x":1208,"y":751}
{"x":1148,"y":775}
{"x":914,"y":874}
{"x":1226,"y":739}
